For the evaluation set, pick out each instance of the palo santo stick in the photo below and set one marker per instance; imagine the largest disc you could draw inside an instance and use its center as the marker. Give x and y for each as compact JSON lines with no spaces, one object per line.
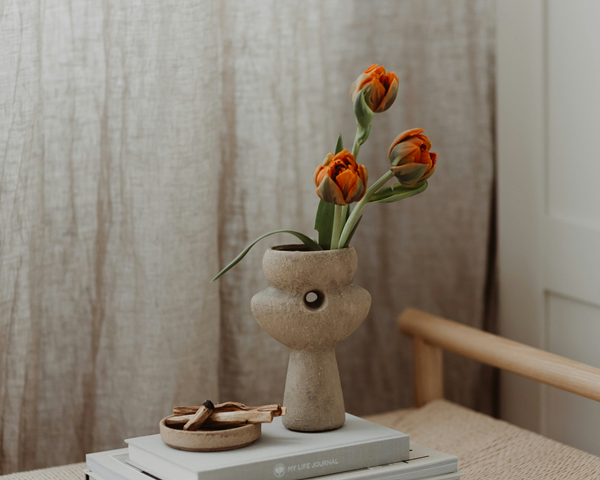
{"x":226,"y":418}
{"x":277,"y":410}
{"x":238,"y":418}
{"x":181,"y":420}
{"x":200,"y":416}
{"x":185,"y":410}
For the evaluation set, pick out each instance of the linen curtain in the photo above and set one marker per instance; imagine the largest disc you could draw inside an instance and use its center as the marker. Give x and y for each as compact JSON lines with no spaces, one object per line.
{"x":144,"y":144}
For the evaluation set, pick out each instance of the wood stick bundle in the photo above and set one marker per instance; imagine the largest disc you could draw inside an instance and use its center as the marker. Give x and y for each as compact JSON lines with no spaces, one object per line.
{"x":223,"y":414}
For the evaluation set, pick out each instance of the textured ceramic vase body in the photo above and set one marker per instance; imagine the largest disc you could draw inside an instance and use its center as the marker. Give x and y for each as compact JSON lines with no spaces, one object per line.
{"x":313,"y":392}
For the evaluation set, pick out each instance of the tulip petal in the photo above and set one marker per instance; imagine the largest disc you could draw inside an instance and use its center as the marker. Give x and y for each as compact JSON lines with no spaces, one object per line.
{"x":328,"y":159}
{"x":357,"y":192}
{"x":433,"y":157}
{"x":425,"y":140}
{"x":408,"y":133}
{"x":424,"y":158}
{"x":318,"y":172}
{"x":348,"y":158}
{"x":390,"y":95}
{"x":363,"y":174}
{"x":330,"y":192}
{"x":429,"y":173}
{"x":375,"y":94}
{"x":358,"y":85}
{"x":409,"y":175}
{"x":345,"y":181}
{"x":406,"y":152}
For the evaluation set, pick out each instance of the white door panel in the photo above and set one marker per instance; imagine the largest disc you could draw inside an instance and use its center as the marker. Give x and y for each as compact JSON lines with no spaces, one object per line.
{"x":549,"y":203}
{"x":573,"y":96}
{"x":572,"y":259}
{"x":573,"y":332}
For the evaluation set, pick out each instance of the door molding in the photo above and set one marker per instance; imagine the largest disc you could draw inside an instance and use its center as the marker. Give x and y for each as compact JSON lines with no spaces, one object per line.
{"x":522,"y":177}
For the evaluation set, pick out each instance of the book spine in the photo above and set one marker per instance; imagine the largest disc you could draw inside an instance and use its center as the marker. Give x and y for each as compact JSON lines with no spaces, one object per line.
{"x":317,"y":464}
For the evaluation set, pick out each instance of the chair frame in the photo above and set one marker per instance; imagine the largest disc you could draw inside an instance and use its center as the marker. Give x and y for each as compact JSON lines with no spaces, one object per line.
{"x":432,"y":335}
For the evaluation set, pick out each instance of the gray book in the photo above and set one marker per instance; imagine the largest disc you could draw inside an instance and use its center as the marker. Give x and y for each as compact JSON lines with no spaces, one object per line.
{"x":278,"y":453}
{"x":424,"y":464}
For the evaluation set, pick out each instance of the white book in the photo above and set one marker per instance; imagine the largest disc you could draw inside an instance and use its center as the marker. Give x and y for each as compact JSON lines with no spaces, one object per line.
{"x":89,"y":475}
{"x":424,"y":464}
{"x":293,"y":455}
{"x":112,"y":465}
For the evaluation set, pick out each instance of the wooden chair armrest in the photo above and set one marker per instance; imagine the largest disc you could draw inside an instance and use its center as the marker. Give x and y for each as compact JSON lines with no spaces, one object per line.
{"x":433,"y":334}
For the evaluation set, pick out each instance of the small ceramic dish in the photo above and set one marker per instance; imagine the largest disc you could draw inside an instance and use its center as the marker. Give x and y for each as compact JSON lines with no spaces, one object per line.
{"x":214,"y":440}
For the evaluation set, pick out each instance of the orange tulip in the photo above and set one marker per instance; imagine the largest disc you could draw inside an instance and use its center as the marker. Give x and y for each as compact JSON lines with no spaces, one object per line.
{"x":340,"y":179}
{"x":410,"y":158}
{"x":380,"y":88}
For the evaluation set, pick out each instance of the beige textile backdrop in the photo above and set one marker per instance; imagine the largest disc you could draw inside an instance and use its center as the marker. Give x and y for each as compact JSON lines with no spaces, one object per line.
{"x":143,"y":144}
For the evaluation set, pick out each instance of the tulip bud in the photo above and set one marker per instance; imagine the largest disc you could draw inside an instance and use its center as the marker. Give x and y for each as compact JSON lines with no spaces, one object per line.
{"x":410,"y":159}
{"x":379,"y":89}
{"x":340,"y":179}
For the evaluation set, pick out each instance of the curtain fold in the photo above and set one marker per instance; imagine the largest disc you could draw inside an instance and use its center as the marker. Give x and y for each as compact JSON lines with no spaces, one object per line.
{"x":143,"y":145}
{"x":109,"y":224}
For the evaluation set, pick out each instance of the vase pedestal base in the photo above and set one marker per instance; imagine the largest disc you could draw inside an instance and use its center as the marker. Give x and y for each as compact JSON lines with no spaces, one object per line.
{"x":313,"y":392}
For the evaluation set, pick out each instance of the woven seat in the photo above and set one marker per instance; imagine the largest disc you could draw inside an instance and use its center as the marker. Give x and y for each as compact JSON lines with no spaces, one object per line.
{"x":68,"y":472}
{"x":488,"y":448}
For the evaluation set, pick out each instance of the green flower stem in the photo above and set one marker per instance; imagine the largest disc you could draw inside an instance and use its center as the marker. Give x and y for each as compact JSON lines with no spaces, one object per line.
{"x":338,"y":220}
{"x":344,"y":215}
{"x":356,"y":145}
{"x":360,"y":138}
{"x":355,"y":215}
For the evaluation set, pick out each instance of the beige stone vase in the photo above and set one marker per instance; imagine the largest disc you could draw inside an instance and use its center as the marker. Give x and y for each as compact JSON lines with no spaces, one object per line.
{"x":309,"y":306}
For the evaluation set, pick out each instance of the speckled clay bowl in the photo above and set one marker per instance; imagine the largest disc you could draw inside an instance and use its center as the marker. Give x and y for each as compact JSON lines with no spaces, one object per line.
{"x":209,"y":440}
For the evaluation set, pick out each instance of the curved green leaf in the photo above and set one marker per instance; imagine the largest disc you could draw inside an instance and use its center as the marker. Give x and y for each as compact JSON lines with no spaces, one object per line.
{"x":395,"y":189}
{"x":353,"y":231}
{"x":384,"y":192}
{"x":324,"y":223}
{"x":397,"y":193}
{"x":309,"y":242}
{"x":339,"y":146}
{"x":362,"y":112}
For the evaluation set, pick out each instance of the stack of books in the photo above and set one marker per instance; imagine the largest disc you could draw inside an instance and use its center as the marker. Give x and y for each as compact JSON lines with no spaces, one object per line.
{"x":360,"y":450}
